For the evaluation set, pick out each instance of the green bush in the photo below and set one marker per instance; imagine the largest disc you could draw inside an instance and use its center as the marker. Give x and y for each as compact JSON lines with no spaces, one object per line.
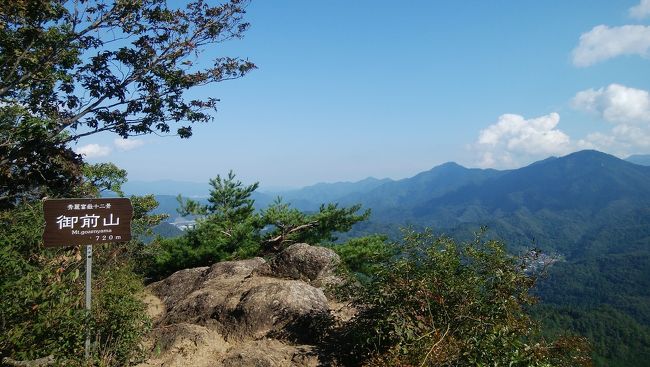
{"x":42,"y":305}
{"x":441,"y":303}
{"x":119,"y":318}
{"x":203,"y":246}
{"x":364,"y":256}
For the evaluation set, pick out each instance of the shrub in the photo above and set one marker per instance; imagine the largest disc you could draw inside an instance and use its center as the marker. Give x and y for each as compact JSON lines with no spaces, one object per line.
{"x":441,"y":303}
{"x":364,"y":256}
{"x":119,"y":318}
{"x":42,"y":305}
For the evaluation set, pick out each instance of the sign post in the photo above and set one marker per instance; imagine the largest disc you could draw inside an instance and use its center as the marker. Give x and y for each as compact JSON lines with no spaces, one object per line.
{"x":89,"y":279}
{"x":86,"y":222}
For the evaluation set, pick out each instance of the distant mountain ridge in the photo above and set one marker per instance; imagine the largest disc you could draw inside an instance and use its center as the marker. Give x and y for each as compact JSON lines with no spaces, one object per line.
{"x":388,"y":201}
{"x":557,"y":202}
{"x":590,"y":184}
{"x":310,"y":197}
{"x":585,"y":179}
{"x":642,"y":159}
{"x":450,"y":196}
{"x":590,"y":208}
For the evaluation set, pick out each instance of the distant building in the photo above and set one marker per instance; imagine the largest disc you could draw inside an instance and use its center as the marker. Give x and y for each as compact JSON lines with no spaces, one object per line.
{"x":184,"y":224}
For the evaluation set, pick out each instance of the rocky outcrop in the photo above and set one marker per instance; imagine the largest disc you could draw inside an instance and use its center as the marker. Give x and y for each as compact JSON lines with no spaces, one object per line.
{"x":276,"y":306}
{"x":270,"y":353}
{"x":304,"y":262}
{"x":243,"y":313}
{"x":185,"y":344}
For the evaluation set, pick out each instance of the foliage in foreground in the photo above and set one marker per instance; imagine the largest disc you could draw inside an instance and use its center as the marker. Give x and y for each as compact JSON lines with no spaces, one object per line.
{"x":69,"y":69}
{"x":42,"y":304}
{"x":441,"y":303}
{"x":363,"y":256}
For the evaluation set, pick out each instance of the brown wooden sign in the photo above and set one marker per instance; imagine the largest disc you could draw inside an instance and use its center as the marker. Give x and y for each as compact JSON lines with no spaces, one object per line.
{"x":86,"y":221}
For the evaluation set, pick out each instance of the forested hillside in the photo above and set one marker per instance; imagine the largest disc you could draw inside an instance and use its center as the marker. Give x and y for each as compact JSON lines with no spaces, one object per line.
{"x":589,"y":210}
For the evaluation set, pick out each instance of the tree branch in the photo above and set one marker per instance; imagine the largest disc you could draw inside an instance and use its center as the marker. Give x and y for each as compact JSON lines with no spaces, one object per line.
{"x":279,"y":239}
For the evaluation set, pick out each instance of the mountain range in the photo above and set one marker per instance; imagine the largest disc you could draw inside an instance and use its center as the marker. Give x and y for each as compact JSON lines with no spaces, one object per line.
{"x":589,"y":209}
{"x":555,"y":202}
{"x":642,"y":159}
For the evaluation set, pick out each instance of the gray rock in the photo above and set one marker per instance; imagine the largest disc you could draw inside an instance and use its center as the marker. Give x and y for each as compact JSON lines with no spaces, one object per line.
{"x":270,"y":353}
{"x":210,"y":298}
{"x":234,"y":269}
{"x":243,"y":313}
{"x":272,"y":307}
{"x":305,"y":262}
{"x":232,"y":298}
{"x":175,"y":287}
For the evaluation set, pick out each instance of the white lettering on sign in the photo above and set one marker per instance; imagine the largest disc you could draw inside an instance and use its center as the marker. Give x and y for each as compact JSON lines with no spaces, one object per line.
{"x":89,"y":220}
{"x":88,"y":206}
{"x":91,"y":231}
{"x":111,"y":222}
{"x":66,"y":222}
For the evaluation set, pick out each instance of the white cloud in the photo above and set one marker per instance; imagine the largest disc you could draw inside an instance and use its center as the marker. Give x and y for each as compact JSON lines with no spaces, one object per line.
{"x":616,"y":103}
{"x":628,"y":109}
{"x":598,"y":141}
{"x":93,"y":150}
{"x":603,"y":42}
{"x":621,"y":141}
{"x":640,"y":11}
{"x":127,"y":144}
{"x":514,"y":140}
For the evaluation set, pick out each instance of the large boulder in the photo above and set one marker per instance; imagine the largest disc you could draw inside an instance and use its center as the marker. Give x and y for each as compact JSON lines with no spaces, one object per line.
{"x":281,"y":306}
{"x":304,"y":262}
{"x":232,"y":298}
{"x":174,"y":288}
{"x":204,"y":299}
{"x":243,"y":313}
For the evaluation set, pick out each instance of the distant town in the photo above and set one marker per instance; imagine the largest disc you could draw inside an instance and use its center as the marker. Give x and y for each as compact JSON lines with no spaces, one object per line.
{"x":184,"y":224}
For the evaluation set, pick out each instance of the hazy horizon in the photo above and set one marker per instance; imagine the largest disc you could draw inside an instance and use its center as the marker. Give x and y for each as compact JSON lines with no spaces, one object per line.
{"x":278,"y":189}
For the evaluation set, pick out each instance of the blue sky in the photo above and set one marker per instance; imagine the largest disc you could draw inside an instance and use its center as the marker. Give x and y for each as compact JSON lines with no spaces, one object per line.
{"x":350,"y":89}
